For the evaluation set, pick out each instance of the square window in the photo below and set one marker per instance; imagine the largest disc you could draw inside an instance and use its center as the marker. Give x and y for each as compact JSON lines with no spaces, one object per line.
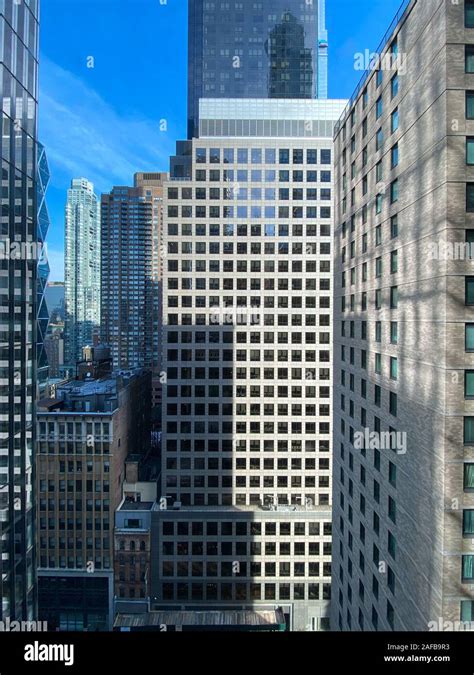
{"x":470,"y":151}
{"x":379,"y":108}
{"x":468,"y":523}
{"x":394,"y":192}
{"x":270,"y":156}
{"x":469,"y":384}
{"x":468,"y":568}
{"x":394,"y":297}
{"x":379,"y":139}
{"x":325,"y":156}
{"x":394,"y":227}
{"x":378,"y":331}
{"x":379,"y":171}
{"x":469,"y":59}
{"x":469,"y":431}
{"x":470,"y":105}
{"x":394,"y":262}
{"x":394,"y":158}
{"x":469,"y":13}
{"x":378,"y":204}
{"x":394,"y":121}
{"x":469,"y":477}
{"x":395,"y":85}
{"x":393,"y":405}
{"x":378,"y":363}
{"x":378,"y":299}
{"x":393,"y":368}
{"x":256,"y":156}
{"x":378,"y":267}
{"x":394,"y":333}
{"x":392,"y":474}
{"x":469,"y":337}
{"x":469,"y":300}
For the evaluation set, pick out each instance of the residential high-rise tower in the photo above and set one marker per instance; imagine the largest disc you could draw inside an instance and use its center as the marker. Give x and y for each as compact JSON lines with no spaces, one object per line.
{"x":131,"y":272}
{"x":81,"y":269}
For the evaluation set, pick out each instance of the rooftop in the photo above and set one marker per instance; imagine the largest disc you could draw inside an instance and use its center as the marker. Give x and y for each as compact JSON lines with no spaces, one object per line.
{"x":218,"y":620}
{"x":283,"y":510}
{"x":88,"y":396}
{"x":136,"y":506}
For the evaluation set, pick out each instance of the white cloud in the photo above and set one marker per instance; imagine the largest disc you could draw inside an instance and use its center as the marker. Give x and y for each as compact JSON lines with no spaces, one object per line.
{"x":84,"y":135}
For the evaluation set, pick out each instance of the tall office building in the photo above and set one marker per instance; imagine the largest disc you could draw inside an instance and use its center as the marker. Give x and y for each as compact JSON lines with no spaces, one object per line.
{"x":131,"y":271}
{"x":266,"y":49}
{"x":19,"y":245}
{"x":81,"y":268}
{"x":248,"y":357}
{"x":403,"y":553}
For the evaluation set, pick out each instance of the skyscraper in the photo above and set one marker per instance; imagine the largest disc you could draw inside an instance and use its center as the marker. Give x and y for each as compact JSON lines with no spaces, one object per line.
{"x":131,"y":271}
{"x":248,"y":357}
{"x":81,"y":268}
{"x":19,"y":246}
{"x":266,"y":49}
{"x":403,"y":555}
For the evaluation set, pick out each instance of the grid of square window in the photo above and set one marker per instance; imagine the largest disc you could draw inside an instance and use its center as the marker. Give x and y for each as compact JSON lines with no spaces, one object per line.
{"x":247,"y":314}
{"x":242,"y":560}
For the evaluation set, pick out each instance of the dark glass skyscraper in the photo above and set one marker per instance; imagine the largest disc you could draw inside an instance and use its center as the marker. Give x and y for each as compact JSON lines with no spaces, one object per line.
{"x":247,"y":49}
{"x":19,"y":249}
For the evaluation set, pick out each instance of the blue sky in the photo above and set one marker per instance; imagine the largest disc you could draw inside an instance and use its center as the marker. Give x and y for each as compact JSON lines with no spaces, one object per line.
{"x":112,"y":70}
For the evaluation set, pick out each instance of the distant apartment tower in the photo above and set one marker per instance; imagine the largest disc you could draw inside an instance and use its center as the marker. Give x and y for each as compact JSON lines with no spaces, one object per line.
{"x":248,"y":358}
{"x":131,"y":271}
{"x":403,"y":553}
{"x":266,"y":49}
{"x":19,"y":303}
{"x":81,"y":268}
{"x":84,"y":435}
{"x":54,"y":347}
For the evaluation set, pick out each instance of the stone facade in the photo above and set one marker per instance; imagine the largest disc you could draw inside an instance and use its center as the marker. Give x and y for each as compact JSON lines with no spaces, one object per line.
{"x":400,"y":319}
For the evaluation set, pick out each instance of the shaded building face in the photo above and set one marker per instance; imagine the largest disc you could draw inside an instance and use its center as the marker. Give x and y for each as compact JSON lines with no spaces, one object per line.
{"x":267,"y":50}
